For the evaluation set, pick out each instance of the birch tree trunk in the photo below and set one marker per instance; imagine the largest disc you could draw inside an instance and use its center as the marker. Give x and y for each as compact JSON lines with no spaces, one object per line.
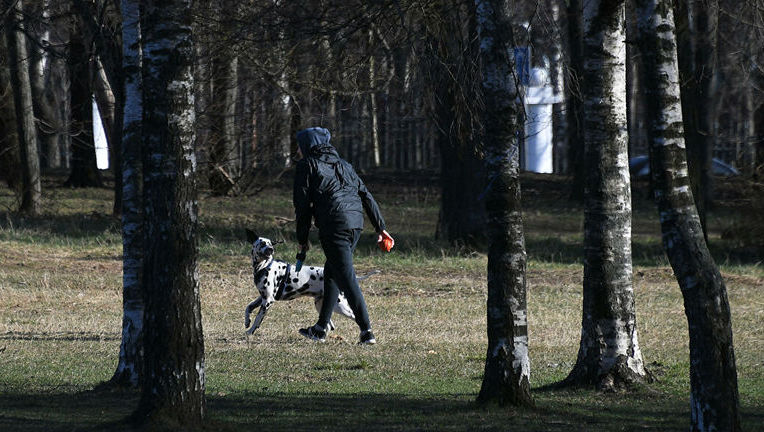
{"x":714,"y":399}
{"x":609,"y":356}
{"x":507,"y":367}
{"x":130,"y":366}
{"x":173,"y":381}
{"x":31,"y":192}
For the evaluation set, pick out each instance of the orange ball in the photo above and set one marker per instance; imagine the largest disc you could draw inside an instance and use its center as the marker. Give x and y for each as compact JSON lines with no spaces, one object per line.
{"x":386,"y":244}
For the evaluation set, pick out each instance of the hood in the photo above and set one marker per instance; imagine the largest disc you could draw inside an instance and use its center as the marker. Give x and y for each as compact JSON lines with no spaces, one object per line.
{"x":313,"y":141}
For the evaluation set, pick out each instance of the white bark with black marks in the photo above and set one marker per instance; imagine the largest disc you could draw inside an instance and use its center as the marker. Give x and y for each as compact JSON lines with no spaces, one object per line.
{"x":714,"y":398}
{"x":507,"y":368}
{"x":609,"y":356}
{"x":130,"y":363}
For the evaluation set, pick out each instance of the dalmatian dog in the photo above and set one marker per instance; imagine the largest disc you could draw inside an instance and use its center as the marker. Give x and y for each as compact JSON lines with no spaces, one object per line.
{"x":279,"y":280}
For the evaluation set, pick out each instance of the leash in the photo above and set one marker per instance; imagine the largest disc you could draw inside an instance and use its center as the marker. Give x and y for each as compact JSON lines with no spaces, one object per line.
{"x":368,"y":275}
{"x":284,"y":282}
{"x":300,"y":259}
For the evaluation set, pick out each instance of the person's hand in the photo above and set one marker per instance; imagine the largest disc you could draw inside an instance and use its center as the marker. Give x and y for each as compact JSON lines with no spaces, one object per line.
{"x":385,"y":241}
{"x":301,"y":256}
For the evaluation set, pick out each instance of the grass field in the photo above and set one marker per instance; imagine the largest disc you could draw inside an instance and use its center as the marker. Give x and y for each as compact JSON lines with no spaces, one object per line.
{"x":60,"y":321}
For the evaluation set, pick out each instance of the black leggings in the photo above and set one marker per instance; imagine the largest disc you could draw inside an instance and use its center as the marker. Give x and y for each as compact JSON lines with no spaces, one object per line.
{"x":339,"y":275}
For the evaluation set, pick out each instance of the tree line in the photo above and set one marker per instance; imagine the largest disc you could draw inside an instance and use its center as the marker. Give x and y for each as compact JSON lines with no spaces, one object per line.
{"x":209,"y":96}
{"x":393,"y":80}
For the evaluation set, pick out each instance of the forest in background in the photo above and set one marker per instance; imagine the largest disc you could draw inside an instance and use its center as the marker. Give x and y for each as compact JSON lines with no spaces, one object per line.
{"x":378,"y":75}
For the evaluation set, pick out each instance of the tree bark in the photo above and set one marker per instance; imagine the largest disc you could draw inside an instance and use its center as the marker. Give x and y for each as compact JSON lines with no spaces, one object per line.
{"x":31,"y":193}
{"x":609,"y":356}
{"x":130,"y":366}
{"x":173,"y":381}
{"x":714,"y":399}
{"x":507,"y":367}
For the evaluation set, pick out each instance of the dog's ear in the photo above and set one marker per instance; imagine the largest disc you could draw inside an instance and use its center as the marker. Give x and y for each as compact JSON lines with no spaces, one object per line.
{"x":251,"y":236}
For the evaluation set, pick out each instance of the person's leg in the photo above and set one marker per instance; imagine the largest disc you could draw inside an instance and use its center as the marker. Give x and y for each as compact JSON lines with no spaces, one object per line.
{"x":338,"y":249}
{"x":331,"y":294}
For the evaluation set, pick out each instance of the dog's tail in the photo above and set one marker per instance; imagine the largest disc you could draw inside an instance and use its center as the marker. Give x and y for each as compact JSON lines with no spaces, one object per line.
{"x":368,"y":275}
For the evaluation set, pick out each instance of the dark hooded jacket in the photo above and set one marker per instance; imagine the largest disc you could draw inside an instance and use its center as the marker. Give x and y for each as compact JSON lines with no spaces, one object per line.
{"x":328,"y":189}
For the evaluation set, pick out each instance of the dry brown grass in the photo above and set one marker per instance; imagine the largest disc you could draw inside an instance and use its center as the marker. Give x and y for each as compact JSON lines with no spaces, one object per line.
{"x":60,"y":321}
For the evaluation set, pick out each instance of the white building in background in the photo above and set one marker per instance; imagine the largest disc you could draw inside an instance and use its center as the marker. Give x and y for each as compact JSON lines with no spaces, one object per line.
{"x":99,"y":136}
{"x":539,"y":143}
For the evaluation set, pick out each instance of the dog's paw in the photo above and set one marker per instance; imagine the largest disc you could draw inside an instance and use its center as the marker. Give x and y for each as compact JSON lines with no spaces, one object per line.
{"x":247,"y":322}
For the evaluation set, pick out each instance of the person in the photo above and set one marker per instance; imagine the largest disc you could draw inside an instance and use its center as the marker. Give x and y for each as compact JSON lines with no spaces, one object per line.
{"x":327,"y":189}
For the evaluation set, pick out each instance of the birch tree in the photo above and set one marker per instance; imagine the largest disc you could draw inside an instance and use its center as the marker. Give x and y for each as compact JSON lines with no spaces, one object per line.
{"x":25,"y":121}
{"x":173,"y":379}
{"x":507,"y":366}
{"x":714,"y":399}
{"x":131,"y":349}
{"x":609,"y":356}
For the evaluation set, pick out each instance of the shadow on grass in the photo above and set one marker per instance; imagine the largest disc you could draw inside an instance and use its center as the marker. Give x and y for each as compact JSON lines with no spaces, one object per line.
{"x":556,"y":411}
{"x":74,"y":226}
{"x":404,"y":413}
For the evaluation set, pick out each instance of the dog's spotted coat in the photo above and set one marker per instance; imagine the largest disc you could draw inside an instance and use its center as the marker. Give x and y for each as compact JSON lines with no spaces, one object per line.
{"x":270,"y":281}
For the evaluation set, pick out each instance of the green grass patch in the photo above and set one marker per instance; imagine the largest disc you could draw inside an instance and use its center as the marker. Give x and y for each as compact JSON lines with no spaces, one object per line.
{"x":61,"y":311}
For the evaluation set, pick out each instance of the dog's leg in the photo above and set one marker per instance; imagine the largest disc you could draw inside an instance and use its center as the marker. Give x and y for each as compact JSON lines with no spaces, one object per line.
{"x":260,"y":315}
{"x":248,"y":311}
{"x":342,"y":307}
{"x":317,"y":302}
